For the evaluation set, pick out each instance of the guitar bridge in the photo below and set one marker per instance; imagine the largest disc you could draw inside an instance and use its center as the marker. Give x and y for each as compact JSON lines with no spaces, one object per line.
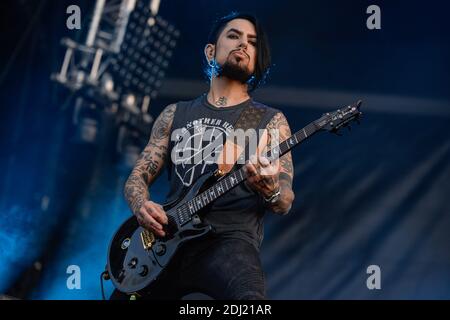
{"x":147,"y":238}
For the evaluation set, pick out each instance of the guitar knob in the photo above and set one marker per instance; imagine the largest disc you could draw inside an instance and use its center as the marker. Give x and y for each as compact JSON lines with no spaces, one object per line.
{"x":133,"y":262}
{"x":160,"y":249}
{"x":143,"y":270}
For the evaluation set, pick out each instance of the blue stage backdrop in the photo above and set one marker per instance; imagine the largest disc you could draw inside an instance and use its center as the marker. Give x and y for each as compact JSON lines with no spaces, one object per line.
{"x":370,"y":203}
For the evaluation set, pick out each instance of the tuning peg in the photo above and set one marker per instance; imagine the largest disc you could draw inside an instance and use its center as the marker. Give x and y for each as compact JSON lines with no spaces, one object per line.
{"x":349,"y":128}
{"x":336,"y":132}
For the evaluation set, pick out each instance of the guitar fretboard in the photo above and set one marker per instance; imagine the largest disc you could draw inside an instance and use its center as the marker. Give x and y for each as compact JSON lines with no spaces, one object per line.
{"x":191,"y":207}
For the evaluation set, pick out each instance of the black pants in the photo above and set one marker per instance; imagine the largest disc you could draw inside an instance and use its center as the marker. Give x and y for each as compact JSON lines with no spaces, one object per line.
{"x":223,"y":268}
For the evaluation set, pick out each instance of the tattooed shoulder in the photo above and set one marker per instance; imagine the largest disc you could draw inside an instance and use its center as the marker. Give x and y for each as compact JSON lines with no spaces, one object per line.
{"x":163,"y":123}
{"x":161,"y":129}
{"x":279,"y":121}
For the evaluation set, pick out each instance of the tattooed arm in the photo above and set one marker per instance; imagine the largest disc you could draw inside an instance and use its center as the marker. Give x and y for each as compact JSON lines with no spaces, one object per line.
{"x":286,"y":169}
{"x":147,"y":168}
{"x":266,"y":177}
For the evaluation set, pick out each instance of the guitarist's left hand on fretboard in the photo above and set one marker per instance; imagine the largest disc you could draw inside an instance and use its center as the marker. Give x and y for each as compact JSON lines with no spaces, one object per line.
{"x":263,"y":175}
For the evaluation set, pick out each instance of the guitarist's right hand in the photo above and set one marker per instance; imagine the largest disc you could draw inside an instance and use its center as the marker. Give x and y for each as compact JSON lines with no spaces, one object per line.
{"x":151,"y":216}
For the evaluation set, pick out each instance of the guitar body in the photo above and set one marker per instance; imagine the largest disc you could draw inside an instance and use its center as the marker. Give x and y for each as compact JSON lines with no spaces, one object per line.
{"x":136,"y":257}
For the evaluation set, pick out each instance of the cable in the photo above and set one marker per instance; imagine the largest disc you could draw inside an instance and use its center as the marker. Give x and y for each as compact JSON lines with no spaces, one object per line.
{"x":101,"y":283}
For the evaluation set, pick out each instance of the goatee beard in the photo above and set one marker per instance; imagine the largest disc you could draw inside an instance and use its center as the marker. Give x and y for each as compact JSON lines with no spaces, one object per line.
{"x":235,"y":72}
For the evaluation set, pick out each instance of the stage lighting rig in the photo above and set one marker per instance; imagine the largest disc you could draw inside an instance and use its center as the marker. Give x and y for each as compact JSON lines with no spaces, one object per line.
{"x":145,"y":53}
{"x":123,"y":62}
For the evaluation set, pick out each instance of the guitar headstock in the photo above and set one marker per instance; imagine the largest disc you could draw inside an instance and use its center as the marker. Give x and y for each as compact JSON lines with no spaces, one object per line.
{"x":333,"y":121}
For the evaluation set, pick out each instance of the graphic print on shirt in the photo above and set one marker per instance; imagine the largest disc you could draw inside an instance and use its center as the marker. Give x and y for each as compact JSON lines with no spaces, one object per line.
{"x":197,"y":145}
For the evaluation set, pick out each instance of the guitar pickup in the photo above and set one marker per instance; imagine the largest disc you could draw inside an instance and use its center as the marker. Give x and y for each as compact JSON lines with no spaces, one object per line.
{"x":147,"y":239}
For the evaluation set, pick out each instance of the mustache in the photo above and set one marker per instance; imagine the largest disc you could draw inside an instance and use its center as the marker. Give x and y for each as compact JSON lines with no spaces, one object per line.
{"x":241,"y":52}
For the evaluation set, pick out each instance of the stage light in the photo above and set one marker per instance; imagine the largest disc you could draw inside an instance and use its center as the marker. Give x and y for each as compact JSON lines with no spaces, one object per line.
{"x":86,"y":119}
{"x":151,"y":21}
{"x":87,"y":130}
{"x":129,"y":101}
{"x":107,"y":83}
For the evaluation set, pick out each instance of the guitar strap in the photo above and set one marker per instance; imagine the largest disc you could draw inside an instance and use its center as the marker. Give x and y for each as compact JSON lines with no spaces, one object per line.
{"x":250,"y":118}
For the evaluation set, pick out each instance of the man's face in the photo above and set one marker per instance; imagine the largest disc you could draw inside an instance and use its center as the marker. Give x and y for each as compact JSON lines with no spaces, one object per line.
{"x":236,"y":49}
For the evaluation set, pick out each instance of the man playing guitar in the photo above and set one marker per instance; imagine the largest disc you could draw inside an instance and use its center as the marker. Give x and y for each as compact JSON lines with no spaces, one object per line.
{"x":225,"y":264}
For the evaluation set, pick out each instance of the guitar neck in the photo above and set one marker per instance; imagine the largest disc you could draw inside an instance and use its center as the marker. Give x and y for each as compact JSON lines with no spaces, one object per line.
{"x":191,"y":207}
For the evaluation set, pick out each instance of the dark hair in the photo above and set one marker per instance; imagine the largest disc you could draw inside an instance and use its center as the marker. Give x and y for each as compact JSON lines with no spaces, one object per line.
{"x":263,"y":58}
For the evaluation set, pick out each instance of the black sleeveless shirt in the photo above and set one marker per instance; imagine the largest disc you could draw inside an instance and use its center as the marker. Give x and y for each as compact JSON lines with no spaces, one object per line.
{"x":198,"y":127}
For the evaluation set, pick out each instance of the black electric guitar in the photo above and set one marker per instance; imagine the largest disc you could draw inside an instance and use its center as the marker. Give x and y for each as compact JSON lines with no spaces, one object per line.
{"x":137,"y":257}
